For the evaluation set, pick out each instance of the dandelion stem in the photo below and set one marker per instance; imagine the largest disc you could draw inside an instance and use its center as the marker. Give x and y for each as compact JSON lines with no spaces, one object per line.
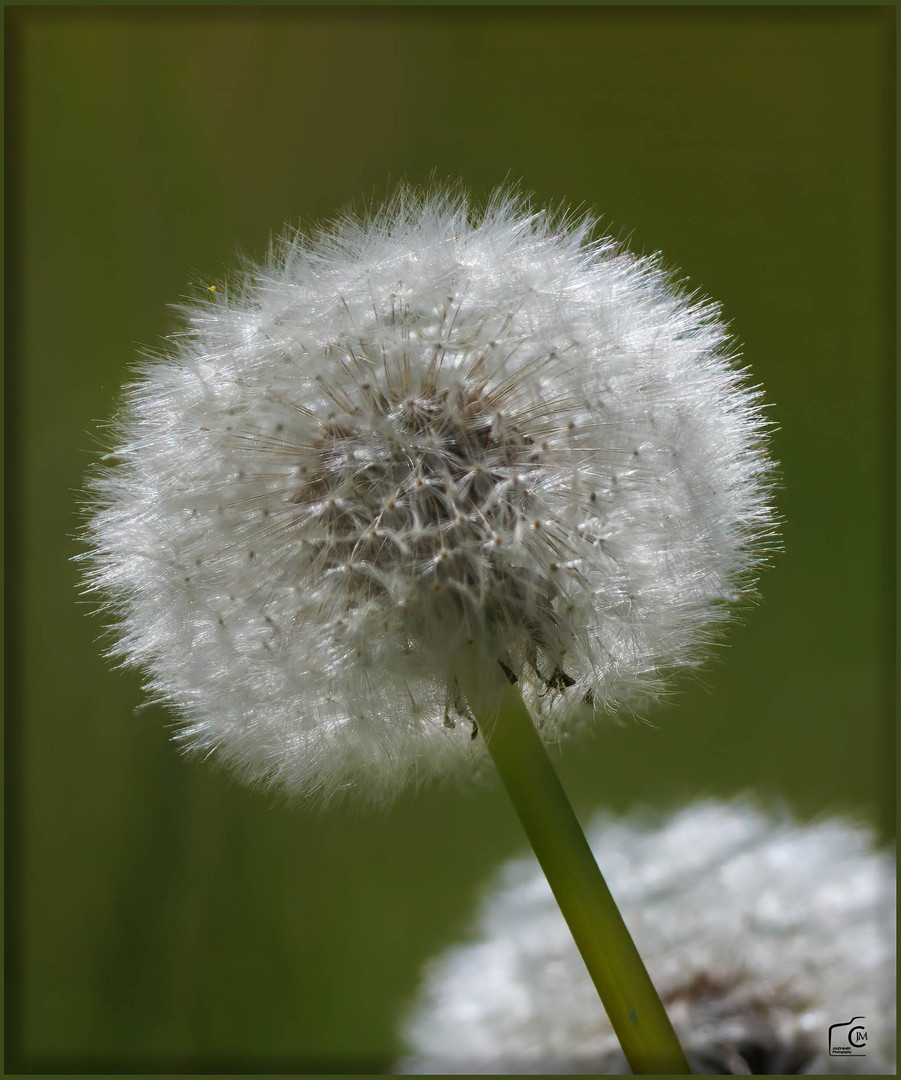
{"x":625,"y":988}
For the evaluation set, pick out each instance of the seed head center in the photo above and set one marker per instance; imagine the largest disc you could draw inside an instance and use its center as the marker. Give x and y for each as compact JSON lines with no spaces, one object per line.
{"x":423,"y":483}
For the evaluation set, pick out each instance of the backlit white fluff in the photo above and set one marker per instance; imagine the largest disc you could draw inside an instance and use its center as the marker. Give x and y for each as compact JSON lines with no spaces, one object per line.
{"x":414,"y":430}
{"x":759,"y":935}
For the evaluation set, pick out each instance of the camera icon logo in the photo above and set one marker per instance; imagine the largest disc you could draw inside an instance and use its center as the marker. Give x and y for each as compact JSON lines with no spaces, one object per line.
{"x":848,"y":1039}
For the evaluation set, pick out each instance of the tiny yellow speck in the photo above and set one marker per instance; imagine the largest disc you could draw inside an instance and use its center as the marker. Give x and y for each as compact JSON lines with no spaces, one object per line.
{"x":212,"y":288}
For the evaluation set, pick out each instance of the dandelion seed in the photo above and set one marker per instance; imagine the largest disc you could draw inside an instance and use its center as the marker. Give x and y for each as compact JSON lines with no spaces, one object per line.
{"x":760,"y":934}
{"x":411,"y":433}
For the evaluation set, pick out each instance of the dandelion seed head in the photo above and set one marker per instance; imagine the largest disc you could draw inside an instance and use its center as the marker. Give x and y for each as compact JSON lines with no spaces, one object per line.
{"x":758,"y":932}
{"x":418,"y":431}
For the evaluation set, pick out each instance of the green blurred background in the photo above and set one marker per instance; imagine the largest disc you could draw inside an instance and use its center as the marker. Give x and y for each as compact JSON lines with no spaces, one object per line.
{"x":159,"y":915}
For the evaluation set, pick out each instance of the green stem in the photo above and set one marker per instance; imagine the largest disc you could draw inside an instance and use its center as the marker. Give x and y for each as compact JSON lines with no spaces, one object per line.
{"x":628,"y":995}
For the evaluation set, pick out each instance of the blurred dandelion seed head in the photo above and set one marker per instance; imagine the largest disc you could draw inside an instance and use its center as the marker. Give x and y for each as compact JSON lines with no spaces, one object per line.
{"x":417,"y":430}
{"x":759,"y":933}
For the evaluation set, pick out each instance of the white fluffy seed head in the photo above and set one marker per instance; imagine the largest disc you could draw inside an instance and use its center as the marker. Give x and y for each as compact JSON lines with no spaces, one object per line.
{"x":758,"y":933}
{"x":417,"y":430}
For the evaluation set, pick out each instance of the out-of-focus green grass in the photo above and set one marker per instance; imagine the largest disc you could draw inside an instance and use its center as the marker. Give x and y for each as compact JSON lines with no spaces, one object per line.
{"x":161,"y":917}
